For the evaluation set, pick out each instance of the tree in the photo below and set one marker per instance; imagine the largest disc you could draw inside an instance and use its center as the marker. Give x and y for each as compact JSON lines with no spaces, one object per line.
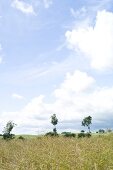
{"x":7,"y":130}
{"x":87,"y":122}
{"x":54,"y":121}
{"x":109,"y":130}
{"x":101,"y":131}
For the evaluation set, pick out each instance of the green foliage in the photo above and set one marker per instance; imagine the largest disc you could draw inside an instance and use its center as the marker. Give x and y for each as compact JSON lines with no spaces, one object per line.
{"x":87,"y":121}
{"x":81,"y":135}
{"x":109,"y":130}
{"x":101,"y":131}
{"x":82,"y":131}
{"x":54,"y":119}
{"x":88,"y":135}
{"x":51,"y":134}
{"x":21,"y":137}
{"x":68,"y":134}
{"x":7,"y":130}
{"x":8,"y":136}
{"x":55,"y":131}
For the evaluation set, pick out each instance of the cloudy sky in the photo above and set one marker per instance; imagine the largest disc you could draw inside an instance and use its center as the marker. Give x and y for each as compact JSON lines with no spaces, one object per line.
{"x":56,"y":57}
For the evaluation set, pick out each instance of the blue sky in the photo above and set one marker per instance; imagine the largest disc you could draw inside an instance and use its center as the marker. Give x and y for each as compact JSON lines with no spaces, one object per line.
{"x":56,"y":57}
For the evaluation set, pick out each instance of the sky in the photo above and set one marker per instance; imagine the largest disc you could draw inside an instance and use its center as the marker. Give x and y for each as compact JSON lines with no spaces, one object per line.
{"x":56,"y":57}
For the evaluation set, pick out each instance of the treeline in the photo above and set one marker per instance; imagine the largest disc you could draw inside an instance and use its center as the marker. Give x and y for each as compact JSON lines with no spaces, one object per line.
{"x":87,"y":121}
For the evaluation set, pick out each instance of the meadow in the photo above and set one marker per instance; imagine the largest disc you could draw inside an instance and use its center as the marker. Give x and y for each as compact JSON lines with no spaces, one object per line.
{"x":57,"y":153}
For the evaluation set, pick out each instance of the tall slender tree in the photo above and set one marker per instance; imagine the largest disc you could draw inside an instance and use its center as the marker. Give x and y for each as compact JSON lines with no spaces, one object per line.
{"x":7,"y":130}
{"x":54,"y":121}
{"x":87,"y":122}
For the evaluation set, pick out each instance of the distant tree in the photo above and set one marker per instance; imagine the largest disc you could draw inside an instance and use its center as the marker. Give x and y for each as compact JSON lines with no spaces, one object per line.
{"x":82,"y":131}
{"x":87,"y":122}
{"x":54,"y":121}
{"x":7,"y":130}
{"x":49,"y":134}
{"x":68,"y":134}
{"x":101,"y":131}
{"x":21,"y":137}
{"x":109,"y":130}
{"x":81,"y":135}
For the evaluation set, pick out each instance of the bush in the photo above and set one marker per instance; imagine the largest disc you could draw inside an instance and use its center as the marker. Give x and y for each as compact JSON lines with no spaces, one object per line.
{"x":82,"y":131}
{"x":81,"y":135}
{"x":21,"y":137}
{"x":8,"y":136}
{"x":88,"y":135}
{"x":101,"y":131}
{"x":7,"y":130}
{"x":109,"y":130}
{"x":68,"y":134}
{"x":51,"y":134}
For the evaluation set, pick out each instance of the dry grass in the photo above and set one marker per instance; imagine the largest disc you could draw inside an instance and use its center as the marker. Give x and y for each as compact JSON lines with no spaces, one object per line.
{"x":57,"y":153}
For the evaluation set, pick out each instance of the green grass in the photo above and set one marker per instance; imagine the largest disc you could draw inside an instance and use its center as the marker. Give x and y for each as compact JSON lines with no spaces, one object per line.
{"x":57,"y":153}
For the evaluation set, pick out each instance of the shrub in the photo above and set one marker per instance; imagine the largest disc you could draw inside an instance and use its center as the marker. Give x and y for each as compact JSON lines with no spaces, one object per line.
{"x":7,"y":130}
{"x":101,"y":131}
{"x":88,"y":135}
{"x":109,"y":130}
{"x":8,"y":136}
{"x":21,"y":137}
{"x":51,"y":134}
{"x":81,"y":135}
{"x":55,"y":131}
{"x":68,"y":134}
{"x":82,"y":131}
{"x":73,"y":135}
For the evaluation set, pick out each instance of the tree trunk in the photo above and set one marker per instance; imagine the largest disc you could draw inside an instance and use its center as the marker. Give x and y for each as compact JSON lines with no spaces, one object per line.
{"x":89,"y":129}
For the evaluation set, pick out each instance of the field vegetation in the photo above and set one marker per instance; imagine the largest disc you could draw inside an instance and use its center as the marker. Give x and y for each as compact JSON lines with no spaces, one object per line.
{"x":57,"y":153}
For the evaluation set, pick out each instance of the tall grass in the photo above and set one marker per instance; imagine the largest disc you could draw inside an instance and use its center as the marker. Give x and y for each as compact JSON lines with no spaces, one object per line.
{"x":57,"y":153}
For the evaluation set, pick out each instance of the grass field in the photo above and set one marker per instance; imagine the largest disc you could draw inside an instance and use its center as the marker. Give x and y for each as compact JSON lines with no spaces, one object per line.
{"x":57,"y":153}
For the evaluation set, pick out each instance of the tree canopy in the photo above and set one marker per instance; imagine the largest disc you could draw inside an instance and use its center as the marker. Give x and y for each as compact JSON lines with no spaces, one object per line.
{"x":87,"y":122}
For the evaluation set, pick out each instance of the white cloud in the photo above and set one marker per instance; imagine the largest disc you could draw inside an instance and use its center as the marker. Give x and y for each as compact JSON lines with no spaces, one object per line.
{"x":47,"y":3}
{"x":35,"y":106}
{"x":78,"y":13}
{"x":17,"y":96}
{"x":75,"y":101}
{"x":23,"y":7}
{"x":95,"y":42}
{"x":1,"y":60}
{"x":76,"y":98}
{"x":76,"y":82}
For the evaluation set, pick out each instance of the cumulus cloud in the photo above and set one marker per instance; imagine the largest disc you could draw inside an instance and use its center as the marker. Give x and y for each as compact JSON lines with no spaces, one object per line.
{"x":76,"y":97}
{"x":47,"y":3}
{"x":17,"y":96}
{"x":95,"y":42}
{"x":76,"y":82}
{"x":23,"y":7}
